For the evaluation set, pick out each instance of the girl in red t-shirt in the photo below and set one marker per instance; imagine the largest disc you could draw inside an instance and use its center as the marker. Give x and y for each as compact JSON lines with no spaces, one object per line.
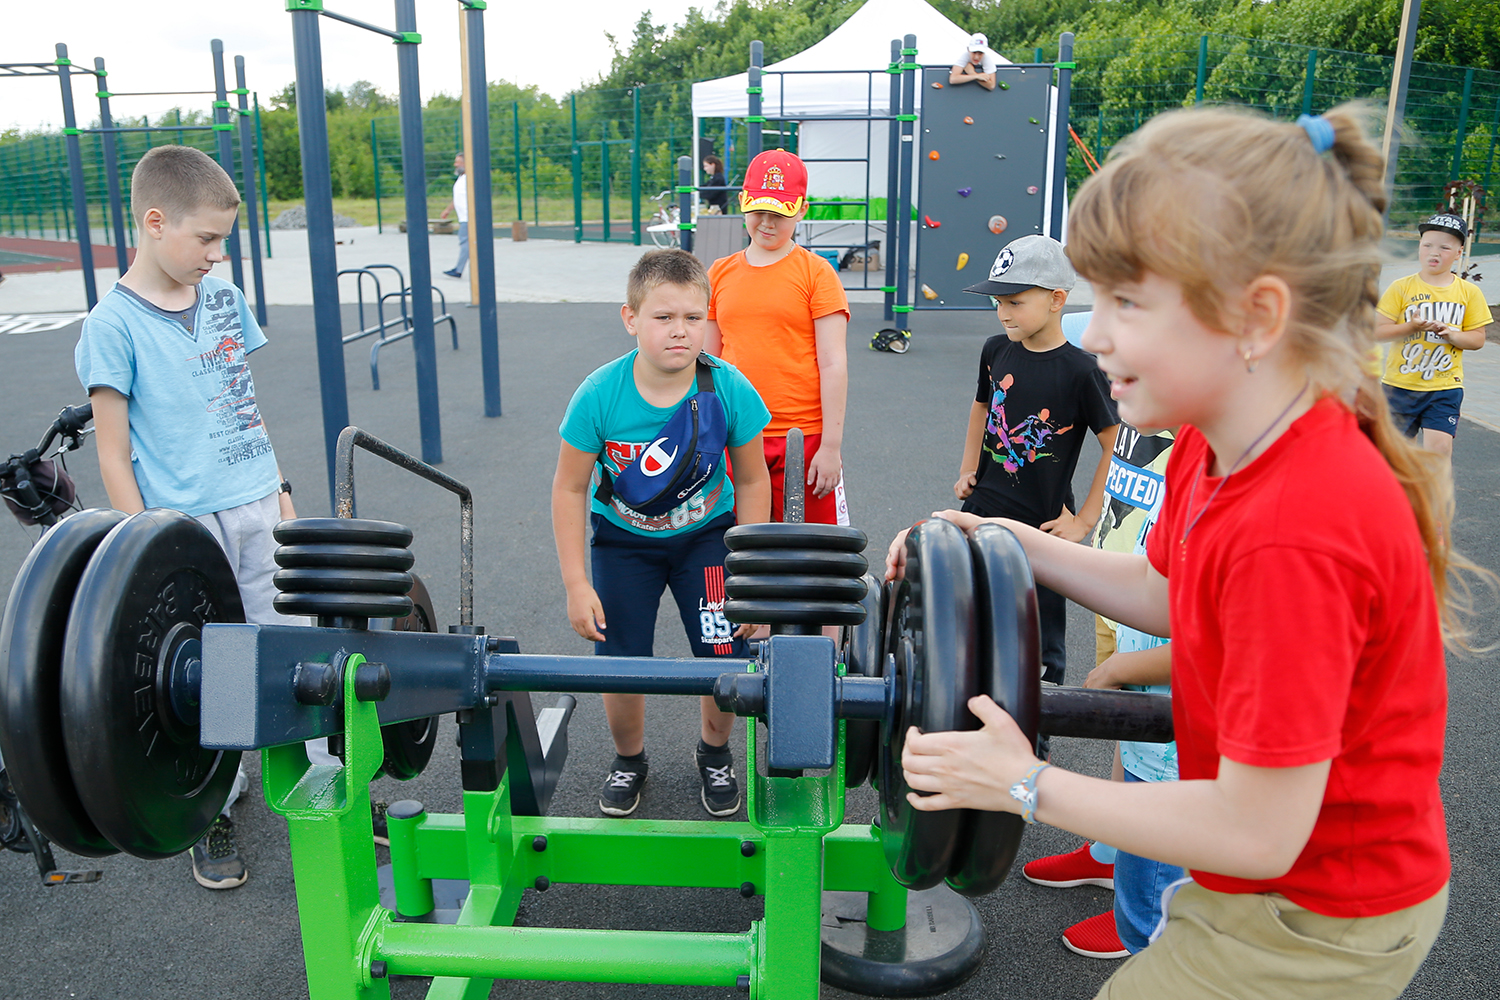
{"x":1300,"y":567}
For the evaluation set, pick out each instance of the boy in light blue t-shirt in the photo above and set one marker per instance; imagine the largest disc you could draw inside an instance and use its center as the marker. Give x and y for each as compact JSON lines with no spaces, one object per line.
{"x":615,"y":418}
{"x":163,"y":357}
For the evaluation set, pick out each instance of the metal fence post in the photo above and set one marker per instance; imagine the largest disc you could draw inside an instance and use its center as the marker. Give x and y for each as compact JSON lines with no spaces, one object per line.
{"x":111,"y":168}
{"x":685,"y":201}
{"x":892,"y":178}
{"x":418,"y":254}
{"x":225,"y":146}
{"x":635,"y":168}
{"x":577,"y":158}
{"x":482,"y":226}
{"x":1060,"y":133}
{"x":515,"y":128}
{"x":604,"y":182}
{"x":1463,"y":125}
{"x":75,"y":175}
{"x":1307,"y":82}
{"x":535,"y":202}
{"x":375,"y":155}
{"x":902,"y":249}
{"x":756,"y":117}
{"x":317,"y":194}
{"x":247,"y":177}
{"x":260,"y":160}
{"x":1489,"y":162}
{"x":1202,"y":69}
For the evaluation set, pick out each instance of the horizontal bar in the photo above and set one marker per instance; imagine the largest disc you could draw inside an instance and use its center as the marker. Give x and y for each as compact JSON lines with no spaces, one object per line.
{"x":1134,"y":716}
{"x":151,"y":128}
{"x":551,"y":954}
{"x":607,"y":674}
{"x":650,"y":852}
{"x":387,"y":32}
{"x":161,"y":93}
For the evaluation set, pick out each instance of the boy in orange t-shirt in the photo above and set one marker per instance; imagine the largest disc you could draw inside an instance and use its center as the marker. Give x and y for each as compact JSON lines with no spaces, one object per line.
{"x":779,"y":314}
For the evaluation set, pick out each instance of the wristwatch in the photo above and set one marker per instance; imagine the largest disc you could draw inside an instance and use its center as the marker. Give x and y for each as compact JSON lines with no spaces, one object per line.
{"x":286,"y":487}
{"x":1024,"y":792}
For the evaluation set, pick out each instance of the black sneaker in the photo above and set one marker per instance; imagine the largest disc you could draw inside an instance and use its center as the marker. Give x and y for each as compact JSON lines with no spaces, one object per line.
{"x":622,"y":787}
{"x":216,"y":863}
{"x":721,"y":792}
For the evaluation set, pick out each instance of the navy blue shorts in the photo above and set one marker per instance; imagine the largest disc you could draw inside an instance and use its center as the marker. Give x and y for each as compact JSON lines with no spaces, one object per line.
{"x":1417,"y":411}
{"x":631,"y":571}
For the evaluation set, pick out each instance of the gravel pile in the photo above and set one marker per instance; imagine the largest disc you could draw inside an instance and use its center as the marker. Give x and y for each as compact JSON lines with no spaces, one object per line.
{"x":296,"y":218}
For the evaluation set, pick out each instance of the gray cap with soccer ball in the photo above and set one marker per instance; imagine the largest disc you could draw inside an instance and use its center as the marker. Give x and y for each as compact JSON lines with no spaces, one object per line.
{"x":1029,"y":262}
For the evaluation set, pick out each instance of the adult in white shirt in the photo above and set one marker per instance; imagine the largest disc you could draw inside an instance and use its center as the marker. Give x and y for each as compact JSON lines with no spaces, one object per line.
{"x":976,"y":65}
{"x":459,"y":206}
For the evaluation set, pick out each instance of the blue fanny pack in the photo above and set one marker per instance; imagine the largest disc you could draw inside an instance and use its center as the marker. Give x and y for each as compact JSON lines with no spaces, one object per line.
{"x":683,"y":456}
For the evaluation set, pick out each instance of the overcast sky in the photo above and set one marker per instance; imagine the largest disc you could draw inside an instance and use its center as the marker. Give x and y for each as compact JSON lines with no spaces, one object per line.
{"x":155,"y":45}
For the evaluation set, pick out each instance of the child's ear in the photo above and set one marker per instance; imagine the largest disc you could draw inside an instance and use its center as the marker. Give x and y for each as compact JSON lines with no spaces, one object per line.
{"x":1059,"y":299}
{"x":153,"y":222}
{"x":1267,"y":305}
{"x":627,"y":316}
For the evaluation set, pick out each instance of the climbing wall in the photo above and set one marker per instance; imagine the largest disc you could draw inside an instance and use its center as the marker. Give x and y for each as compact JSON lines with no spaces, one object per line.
{"x":983,"y":163}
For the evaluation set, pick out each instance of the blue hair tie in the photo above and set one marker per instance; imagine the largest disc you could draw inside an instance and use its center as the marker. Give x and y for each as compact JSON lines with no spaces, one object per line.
{"x":1319,"y":130}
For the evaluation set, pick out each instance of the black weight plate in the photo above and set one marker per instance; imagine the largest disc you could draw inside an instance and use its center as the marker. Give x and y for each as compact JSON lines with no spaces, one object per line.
{"x":150,"y":587}
{"x":344,"y":557}
{"x":778,"y":535}
{"x":864,"y":657}
{"x":822,"y":588}
{"x":359,"y":581}
{"x":342,"y":531}
{"x":1010,"y":672}
{"x":938,"y":650}
{"x":409,"y":745}
{"x":796,"y":562}
{"x":798,"y":612}
{"x":31,"y":650}
{"x":324,"y":605}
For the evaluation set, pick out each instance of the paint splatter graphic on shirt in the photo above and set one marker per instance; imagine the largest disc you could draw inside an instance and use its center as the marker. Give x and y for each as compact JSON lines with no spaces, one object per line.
{"x":1018,"y":445}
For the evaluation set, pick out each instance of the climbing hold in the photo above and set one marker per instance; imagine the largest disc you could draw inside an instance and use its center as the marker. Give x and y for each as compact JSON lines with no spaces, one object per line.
{"x":930,"y":223}
{"x":932,"y":155}
{"x":1033,"y":189}
{"x":965,"y":192}
{"x":999,"y":156}
{"x":963,"y":259}
{"x":1004,"y":85}
{"x":937,"y":86}
{"x":1036,"y":121}
{"x":968,"y":120}
{"x":928,"y":293}
{"x":998,"y":224}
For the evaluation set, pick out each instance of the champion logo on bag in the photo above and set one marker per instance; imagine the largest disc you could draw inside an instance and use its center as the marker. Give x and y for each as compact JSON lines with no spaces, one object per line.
{"x":655,"y":460}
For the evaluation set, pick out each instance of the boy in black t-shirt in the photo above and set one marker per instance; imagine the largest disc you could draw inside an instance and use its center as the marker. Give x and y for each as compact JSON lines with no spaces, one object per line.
{"x":1036,"y":394}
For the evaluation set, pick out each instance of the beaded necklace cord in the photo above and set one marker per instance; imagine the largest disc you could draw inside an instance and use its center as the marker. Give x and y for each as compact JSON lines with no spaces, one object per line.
{"x":1193,"y":519}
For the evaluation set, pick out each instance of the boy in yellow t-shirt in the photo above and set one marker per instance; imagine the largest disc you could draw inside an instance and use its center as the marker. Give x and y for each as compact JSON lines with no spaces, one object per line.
{"x":1431,"y":317}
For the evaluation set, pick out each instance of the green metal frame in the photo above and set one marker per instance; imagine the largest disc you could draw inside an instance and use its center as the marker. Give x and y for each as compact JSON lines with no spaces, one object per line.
{"x":794,"y":846}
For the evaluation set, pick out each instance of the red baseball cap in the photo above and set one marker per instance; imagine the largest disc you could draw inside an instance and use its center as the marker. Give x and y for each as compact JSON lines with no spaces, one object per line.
{"x":776,"y":181}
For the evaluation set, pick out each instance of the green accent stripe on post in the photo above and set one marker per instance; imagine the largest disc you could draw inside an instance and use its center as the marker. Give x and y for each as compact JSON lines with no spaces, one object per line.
{"x":684,"y":189}
{"x":474,"y":4}
{"x":409,"y":38}
{"x":103,"y":94}
{"x":316,"y":5}
{"x":908,"y":52}
{"x":242,"y":91}
{"x":893,"y":68}
{"x":888,"y":288}
{"x":755,"y":90}
{"x":1065,"y":65}
{"x":62,"y":62}
{"x":221,"y":104}
{"x":755,"y":118}
{"x":908,"y":118}
{"x":902,"y":309}
{"x":223,"y":128}
{"x":72,"y":131}
{"x":686,"y":225}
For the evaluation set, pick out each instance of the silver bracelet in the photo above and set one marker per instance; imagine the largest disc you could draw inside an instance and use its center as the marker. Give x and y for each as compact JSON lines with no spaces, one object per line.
{"x":1024,"y":792}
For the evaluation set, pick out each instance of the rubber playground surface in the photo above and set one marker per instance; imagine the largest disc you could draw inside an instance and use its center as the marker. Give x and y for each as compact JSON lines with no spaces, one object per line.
{"x":19,"y":255}
{"x":146,"y":930}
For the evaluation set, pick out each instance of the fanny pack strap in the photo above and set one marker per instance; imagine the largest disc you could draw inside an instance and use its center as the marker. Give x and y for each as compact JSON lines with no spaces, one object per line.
{"x":605,"y":493}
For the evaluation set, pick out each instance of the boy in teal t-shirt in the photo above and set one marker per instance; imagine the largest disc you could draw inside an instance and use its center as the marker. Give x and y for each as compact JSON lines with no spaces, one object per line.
{"x":614,"y":418}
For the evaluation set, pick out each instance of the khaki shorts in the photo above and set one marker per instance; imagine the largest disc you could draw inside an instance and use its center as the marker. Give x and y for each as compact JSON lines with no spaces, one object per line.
{"x":1104,"y":640}
{"x":1219,"y":945}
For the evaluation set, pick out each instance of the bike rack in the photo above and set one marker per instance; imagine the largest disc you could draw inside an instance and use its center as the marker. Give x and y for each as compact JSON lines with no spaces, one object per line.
{"x":382,"y":324}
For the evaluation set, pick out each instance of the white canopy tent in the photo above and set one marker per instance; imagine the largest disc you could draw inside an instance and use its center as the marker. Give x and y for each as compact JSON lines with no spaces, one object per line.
{"x":841,"y":82}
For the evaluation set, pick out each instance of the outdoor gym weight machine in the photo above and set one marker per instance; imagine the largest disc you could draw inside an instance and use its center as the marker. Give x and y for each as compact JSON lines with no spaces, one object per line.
{"x":129,"y":691}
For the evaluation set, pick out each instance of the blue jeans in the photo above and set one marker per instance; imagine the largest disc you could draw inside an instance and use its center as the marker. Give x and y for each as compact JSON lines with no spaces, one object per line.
{"x":463,"y":247}
{"x":1138,"y":887}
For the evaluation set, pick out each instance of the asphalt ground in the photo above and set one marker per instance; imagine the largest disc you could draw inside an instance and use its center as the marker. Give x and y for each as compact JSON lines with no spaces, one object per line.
{"x":146,"y":930}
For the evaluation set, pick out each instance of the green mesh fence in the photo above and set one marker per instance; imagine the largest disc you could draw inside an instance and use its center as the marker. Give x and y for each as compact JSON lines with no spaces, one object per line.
{"x":569,"y":168}
{"x":1452,"y":112}
{"x":36,"y":199}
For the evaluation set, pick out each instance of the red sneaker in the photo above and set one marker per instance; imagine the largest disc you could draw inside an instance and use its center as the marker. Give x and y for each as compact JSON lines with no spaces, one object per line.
{"x":1096,"y":937}
{"x":1064,"y":871}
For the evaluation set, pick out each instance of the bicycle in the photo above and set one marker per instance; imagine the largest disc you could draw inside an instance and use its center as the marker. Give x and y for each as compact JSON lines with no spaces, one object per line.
{"x":663,"y":227}
{"x":37,"y":489}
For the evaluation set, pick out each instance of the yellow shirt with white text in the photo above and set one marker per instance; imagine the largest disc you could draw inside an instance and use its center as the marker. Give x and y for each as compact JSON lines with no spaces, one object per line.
{"x":1421,"y":362}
